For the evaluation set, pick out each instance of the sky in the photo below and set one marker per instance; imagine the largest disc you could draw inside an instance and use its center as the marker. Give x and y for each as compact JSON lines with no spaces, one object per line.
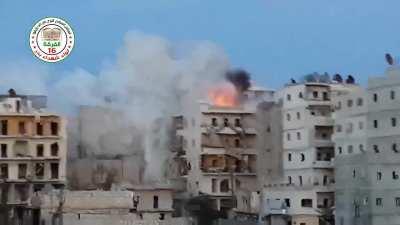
{"x":272,"y":39}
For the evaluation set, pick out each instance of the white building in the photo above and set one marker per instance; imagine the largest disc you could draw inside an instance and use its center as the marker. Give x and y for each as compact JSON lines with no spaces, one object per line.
{"x":351,"y":192}
{"x":367,"y":161}
{"x":304,"y":182}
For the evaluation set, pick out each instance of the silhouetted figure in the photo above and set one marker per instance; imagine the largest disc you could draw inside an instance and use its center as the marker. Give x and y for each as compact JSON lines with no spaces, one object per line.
{"x":293,"y":81}
{"x":389,"y":59}
{"x":338,"y":78}
{"x":350,"y":79}
{"x":12,"y":93}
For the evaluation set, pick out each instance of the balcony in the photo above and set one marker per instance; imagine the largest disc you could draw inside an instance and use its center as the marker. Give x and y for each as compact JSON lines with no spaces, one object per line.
{"x":322,"y":120}
{"x":323,"y":164}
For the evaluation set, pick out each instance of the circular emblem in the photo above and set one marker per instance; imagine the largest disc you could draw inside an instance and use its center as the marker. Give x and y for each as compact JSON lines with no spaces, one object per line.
{"x":51,"y":39}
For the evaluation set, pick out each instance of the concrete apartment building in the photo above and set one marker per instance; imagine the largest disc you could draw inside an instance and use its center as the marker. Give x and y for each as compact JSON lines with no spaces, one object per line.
{"x":367,"y":162}
{"x":33,"y":150}
{"x":350,"y":137}
{"x":300,"y":189}
{"x":217,"y":150}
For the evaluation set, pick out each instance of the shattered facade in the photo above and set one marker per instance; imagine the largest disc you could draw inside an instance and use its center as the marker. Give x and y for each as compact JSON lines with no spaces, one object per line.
{"x":107,"y":149}
{"x":33,"y":151}
{"x":216,"y":150}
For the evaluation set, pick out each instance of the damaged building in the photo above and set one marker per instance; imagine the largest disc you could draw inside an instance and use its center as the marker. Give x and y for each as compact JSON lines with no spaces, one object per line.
{"x":33,"y":152}
{"x":215,"y":148}
{"x":106,"y":148}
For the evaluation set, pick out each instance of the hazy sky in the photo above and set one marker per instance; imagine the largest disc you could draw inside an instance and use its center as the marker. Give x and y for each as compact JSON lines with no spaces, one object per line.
{"x":273,"y":39}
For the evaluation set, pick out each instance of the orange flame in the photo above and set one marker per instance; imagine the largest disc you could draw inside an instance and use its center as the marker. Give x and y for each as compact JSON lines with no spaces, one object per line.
{"x":224,"y":95}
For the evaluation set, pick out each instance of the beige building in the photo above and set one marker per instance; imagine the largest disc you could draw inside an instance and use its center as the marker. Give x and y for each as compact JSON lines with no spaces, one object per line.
{"x":217,"y":150}
{"x":140,"y":205}
{"x":33,"y":149}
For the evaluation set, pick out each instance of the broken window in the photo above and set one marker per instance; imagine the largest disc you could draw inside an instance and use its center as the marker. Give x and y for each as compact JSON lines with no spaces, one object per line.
{"x":4,"y":150}
{"x":237,"y":123}
{"x":162,"y":216}
{"x":237,"y":184}
{"x":325,"y":180}
{"x":237,"y":143}
{"x":226,"y":122}
{"x":214,"y":163}
{"x":54,"y":149}
{"x":394,"y":122}
{"x":287,"y":202}
{"x":39,"y":170}
{"x":397,"y":201}
{"x":375,"y":123}
{"x":39,"y":129}
{"x":4,"y":127}
{"x":22,"y":170}
{"x":18,"y":106}
{"x":306,"y":202}
{"x":21,"y":127}
{"x":395,"y":176}
{"x":22,"y":191}
{"x":376,"y":148}
{"x":394,"y":148}
{"x":54,"y":170}
{"x":21,"y":148}
{"x":54,"y":128}
{"x":38,"y":187}
{"x":155,"y":201}
{"x":224,"y":186}
{"x":4,"y":171}
{"x":214,"y":122}
{"x":378,"y":201}
{"x":379,"y":175}
{"x":40,"y":150}
{"x":325,"y":96}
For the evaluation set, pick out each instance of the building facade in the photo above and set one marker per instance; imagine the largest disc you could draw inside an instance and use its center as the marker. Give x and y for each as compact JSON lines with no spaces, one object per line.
{"x":33,"y":150}
{"x":217,"y":151}
{"x":300,"y":190}
{"x":350,"y":137}
{"x":367,"y":162}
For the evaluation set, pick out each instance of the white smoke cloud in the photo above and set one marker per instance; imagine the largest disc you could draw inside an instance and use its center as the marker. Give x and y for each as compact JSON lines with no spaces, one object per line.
{"x":149,"y":74}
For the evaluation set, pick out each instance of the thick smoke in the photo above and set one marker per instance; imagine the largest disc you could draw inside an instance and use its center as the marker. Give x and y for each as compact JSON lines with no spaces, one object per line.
{"x":145,"y":84}
{"x":240,"y":79}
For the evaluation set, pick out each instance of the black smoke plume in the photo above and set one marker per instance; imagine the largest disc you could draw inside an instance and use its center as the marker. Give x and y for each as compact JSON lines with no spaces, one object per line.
{"x":240,"y":79}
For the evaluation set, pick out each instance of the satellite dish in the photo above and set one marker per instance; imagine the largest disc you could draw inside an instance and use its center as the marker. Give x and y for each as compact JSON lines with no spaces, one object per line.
{"x":389,"y":59}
